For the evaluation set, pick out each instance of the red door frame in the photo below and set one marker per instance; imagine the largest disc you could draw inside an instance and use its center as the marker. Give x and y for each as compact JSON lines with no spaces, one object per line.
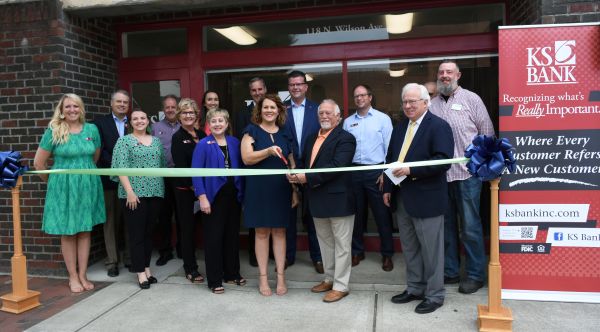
{"x":196,"y":62}
{"x":190,"y":68}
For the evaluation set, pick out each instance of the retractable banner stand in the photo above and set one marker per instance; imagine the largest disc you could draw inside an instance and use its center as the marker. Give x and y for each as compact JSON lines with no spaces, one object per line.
{"x":550,"y":206}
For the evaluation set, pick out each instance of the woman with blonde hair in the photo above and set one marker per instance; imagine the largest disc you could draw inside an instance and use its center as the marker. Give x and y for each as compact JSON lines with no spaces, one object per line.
{"x":74,"y":202}
{"x":220,"y":200}
{"x":182,"y":148}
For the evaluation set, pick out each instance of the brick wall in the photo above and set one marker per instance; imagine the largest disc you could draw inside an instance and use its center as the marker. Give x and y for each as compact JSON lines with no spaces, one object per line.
{"x":43,"y":54}
{"x":570,"y":11}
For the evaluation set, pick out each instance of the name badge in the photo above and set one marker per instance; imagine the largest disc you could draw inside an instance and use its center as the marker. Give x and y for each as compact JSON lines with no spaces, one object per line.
{"x":354,"y":125}
{"x":457,"y":107}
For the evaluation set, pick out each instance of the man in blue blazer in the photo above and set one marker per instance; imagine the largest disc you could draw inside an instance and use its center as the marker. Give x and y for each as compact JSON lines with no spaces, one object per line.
{"x":302,"y":122}
{"x":330,"y":199}
{"x":420,"y":200}
{"x":111,"y":127}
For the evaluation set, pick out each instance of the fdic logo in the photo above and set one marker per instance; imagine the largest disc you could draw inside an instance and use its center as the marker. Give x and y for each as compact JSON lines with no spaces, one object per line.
{"x":547,"y":65}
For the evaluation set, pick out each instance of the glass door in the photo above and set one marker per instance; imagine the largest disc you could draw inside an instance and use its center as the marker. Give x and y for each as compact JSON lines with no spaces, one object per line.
{"x":324,"y":81}
{"x":148,"y":88}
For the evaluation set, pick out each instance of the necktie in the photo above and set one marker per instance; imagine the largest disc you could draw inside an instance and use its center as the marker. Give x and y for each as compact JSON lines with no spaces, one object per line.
{"x":407,"y":141}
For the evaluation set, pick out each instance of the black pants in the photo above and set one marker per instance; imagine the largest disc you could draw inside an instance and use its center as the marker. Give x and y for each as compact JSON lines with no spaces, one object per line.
{"x":165,"y":217}
{"x":221,"y":237}
{"x":139,"y":229}
{"x":187,"y":228}
{"x":365,"y":188}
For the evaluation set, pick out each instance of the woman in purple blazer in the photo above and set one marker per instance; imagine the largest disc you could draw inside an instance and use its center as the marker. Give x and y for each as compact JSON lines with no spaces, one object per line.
{"x":220,"y":201}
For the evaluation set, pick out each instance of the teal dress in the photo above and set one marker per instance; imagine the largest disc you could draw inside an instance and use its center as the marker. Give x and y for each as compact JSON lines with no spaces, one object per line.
{"x":74,"y":202}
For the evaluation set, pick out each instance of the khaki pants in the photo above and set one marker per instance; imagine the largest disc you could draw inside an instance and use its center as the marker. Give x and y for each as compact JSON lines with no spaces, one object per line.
{"x":335,"y":239}
{"x":114,"y":230}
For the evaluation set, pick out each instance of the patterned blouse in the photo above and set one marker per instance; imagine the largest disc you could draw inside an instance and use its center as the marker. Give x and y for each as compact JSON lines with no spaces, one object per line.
{"x":130,"y":153}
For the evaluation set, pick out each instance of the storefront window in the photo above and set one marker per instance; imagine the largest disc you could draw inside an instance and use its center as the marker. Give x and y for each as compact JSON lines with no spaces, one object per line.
{"x":148,"y":96}
{"x":368,"y":27}
{"x":387,"y":77}
{"x":154,"y":43}
{"x":324,"y":81}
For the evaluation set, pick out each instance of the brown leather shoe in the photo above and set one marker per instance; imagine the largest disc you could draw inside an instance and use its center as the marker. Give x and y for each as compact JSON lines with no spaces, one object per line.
{"x":357,"y":258}
{"x":322,"y":287}
{"x":319,"y":267}
{"x":387,"y":264}
{"x":333,"y":296}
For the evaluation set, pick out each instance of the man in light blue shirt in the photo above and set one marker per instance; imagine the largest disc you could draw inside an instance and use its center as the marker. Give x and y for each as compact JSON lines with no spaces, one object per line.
{"x":372,"y":130}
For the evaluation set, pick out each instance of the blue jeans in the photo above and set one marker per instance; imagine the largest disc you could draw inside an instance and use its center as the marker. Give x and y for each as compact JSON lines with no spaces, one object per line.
{"x":464,"y":207}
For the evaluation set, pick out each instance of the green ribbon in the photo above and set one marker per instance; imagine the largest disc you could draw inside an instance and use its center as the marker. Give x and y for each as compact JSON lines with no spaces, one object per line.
{"x":189,"y":172}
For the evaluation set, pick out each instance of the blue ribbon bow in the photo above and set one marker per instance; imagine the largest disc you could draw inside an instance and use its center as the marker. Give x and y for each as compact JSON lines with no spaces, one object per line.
{"x":10,"y":168}
{"x":489,"y":155}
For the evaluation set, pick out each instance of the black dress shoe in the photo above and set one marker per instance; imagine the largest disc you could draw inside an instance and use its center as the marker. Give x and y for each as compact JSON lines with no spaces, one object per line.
{"x":427,"y":306}
{"x":319,"y":267}
{"x":113,"y":272}
{"x":152,"y":280}
{"x":405,"y":297}
{"x":164,"y":258}
{"x":144,"y":284}
{"x":451,"y":280}
{"x":469,"y":286}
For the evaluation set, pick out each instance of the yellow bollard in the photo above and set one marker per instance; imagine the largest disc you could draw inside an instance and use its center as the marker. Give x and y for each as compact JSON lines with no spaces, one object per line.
{"x":21,"y":299}
{"x":494,"y":317}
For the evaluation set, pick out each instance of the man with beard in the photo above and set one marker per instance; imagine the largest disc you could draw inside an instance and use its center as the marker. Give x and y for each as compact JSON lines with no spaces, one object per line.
{"x":468,"y":117}
{"x":164,"y":130}
{"x":330,"y":199}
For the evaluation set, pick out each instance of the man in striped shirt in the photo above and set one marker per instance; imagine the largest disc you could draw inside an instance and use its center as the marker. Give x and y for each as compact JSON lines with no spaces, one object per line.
{"x":468,"y":117}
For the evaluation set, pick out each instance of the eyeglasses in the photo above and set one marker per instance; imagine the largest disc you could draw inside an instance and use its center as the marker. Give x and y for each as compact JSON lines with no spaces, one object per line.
{"x":410,"y":102}
{"x":362,"y":95}
{"x":188,"y":114}
{"x":295,"y":85}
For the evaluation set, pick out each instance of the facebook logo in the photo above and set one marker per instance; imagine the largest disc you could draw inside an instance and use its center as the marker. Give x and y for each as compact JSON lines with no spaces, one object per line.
{"x":558,"y":236}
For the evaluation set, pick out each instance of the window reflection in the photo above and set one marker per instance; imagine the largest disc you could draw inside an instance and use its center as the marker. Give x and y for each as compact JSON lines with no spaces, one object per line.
{"x":387,"y":77}
{"x":154,"y":43}
{"x":342,"y":29}
{"x":324,"y":81}
{"x":148,"y":96}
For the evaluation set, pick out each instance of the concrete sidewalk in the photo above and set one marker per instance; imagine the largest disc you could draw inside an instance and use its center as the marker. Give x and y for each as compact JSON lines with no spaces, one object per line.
{"x":174,"y":304}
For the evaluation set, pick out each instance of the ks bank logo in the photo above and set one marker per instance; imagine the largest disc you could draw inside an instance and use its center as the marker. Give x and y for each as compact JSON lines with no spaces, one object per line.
{"x":551,"y":65}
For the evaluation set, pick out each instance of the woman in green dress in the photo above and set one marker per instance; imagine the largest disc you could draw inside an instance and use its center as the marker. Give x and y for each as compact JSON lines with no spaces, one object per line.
{"x":140,"y":195}
{"x":74,"y":203}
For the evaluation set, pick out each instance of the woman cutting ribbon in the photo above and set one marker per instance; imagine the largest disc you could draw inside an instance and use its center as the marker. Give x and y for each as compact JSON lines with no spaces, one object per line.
{"x":268,"y":199}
